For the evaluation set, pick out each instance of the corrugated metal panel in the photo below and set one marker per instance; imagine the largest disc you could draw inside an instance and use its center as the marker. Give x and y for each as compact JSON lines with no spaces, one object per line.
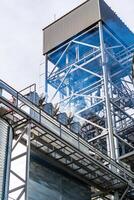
{"x":4,"y":158}
{"x":80,"y":19}
{"x":71,"y":24}
{"x":118,"y":27}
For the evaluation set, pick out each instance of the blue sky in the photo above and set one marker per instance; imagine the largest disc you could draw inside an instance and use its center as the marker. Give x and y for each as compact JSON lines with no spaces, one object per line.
{"x":21,"y":23}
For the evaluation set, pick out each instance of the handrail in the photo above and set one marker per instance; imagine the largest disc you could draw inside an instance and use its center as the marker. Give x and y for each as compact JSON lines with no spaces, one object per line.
{"x":126,"y":50}
{"x":43,"y":115}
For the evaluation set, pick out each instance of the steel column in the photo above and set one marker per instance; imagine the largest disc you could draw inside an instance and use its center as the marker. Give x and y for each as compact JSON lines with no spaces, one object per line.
{"x":46,"y":75}
{"x":27,"y":160}
{"x":106,"y":89}
{"x":107,"y":100}
{"x":114,"y":124}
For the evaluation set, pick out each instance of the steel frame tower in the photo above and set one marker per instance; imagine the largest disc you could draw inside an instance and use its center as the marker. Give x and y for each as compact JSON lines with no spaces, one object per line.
{"x":89,"y":69}
{"x":91,"y":77}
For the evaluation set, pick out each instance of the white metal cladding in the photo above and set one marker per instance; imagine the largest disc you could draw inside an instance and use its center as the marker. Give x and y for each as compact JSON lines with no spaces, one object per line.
{"x":71,"y":24}
{"x":4,"y":159}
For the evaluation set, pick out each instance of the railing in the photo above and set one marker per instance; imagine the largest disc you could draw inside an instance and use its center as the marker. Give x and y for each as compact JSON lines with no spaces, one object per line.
{"x":125,"y":55}
{"x":38,"y":116}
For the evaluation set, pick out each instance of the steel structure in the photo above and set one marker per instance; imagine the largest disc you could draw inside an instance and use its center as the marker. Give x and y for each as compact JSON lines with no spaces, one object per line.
{"x":90,"y":71}
{"x":45,"y":135}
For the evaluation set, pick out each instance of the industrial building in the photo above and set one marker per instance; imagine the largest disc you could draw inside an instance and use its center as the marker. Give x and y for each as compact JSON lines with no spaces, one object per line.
{"x":76,"y":141}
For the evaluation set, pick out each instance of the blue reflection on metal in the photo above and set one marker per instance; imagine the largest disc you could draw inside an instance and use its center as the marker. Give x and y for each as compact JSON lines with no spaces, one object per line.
{"x":77,"y":74}
{"x":116,"y":25}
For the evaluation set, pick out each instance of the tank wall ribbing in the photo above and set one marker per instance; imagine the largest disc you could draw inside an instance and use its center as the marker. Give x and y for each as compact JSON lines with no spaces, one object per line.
{"x":5,"y":152}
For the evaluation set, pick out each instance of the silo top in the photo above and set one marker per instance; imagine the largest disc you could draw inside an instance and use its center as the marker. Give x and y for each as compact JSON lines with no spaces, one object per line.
{"x":82,"y":18}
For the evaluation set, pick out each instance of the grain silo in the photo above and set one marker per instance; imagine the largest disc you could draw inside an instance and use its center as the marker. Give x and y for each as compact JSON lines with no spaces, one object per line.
{"x":5,"y":152}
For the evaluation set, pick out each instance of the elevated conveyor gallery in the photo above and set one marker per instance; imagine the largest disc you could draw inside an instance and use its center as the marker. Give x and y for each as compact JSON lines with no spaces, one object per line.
{"x":56,"y":141}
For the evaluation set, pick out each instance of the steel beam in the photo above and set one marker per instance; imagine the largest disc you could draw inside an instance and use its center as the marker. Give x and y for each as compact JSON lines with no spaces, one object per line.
{"x":107,"y":100}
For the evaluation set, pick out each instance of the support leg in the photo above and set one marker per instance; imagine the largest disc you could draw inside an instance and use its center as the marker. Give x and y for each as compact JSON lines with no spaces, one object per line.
{"x":106,"y":89}
{"x":27,"y":160}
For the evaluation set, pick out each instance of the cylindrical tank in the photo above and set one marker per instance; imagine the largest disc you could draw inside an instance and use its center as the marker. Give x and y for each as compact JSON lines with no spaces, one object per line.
{"x":48,"y":108}
{"x":6,"y":135}
{"x":75,"y":127}
{"x":62,"y":118}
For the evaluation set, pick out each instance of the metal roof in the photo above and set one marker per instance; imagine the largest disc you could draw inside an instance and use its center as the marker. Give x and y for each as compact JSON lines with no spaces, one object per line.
{"x":80,"y":19}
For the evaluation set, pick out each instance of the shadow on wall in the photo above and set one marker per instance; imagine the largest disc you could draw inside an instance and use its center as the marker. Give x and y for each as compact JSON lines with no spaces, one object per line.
{"x":46,"y":183}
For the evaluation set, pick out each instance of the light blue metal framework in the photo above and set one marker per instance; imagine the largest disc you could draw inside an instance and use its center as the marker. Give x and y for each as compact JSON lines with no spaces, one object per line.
{"x":91,"y":77}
